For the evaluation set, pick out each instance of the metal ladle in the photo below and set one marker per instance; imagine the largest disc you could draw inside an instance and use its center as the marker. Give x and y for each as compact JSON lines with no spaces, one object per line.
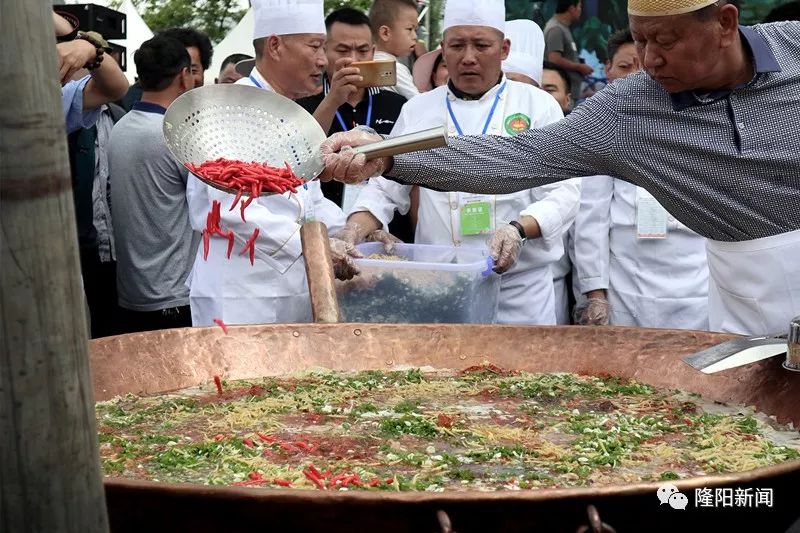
{"x":250,"y":124}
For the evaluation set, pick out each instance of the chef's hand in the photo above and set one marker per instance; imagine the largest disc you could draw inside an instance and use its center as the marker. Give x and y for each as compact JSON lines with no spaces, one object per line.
{"x":504,"y":247}
{"x":354,"y":233}
{"x":594,"y":312}
{"x":342,"y":254}
{"x":384,"y":237}
{"x":72,"y":56}
{"x":343,"y":164}
{"x":343,"y":81}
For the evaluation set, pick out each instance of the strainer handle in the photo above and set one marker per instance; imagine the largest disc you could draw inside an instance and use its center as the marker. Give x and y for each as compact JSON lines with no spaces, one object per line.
{"x":402,"y":144}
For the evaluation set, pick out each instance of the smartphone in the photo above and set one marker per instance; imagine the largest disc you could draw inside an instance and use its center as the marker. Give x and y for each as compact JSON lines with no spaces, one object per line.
{"x":381,"y":73}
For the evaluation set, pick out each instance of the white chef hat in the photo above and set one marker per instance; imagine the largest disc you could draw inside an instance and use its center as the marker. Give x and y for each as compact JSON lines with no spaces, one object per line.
{"x":491,"y":13}
{"x":286,"y":17}
{"x":527,"y":49}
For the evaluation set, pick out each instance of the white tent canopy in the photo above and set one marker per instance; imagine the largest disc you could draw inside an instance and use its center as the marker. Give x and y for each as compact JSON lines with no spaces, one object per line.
{"x":238,"y":41}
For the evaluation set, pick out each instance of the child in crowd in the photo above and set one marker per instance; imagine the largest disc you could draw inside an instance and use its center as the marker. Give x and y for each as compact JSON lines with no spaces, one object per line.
{"x":394,"y":25}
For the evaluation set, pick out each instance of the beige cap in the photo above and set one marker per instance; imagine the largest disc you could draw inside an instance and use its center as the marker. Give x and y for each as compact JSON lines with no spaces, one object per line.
{"x":663,"y":8}
{"x":423,"y":70}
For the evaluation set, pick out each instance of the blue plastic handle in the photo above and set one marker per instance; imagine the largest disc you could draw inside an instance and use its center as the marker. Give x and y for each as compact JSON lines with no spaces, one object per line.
{"x":489,"y":267}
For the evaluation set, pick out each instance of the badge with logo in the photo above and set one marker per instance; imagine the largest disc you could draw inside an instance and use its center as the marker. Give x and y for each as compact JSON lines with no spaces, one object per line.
{"x":517,"y":123}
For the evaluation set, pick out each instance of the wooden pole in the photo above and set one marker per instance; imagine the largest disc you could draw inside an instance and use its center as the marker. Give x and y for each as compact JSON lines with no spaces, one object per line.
{"x":319,"y":272}
{"x":50,"y":476}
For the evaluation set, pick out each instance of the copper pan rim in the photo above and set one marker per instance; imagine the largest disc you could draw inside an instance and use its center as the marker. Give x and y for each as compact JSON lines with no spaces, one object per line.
{"x":537,"y":495}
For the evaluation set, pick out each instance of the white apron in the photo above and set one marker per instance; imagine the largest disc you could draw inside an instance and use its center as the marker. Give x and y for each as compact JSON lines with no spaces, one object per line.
{"x":274,"y":288}
{"x":651,"y":282}
{"x":560,"y":269}
{"x":755,"y":285}
{"x":526,"y":290}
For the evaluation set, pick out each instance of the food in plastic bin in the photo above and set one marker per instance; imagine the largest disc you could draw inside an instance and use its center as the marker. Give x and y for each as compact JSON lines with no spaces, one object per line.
{"x":431,"y":284}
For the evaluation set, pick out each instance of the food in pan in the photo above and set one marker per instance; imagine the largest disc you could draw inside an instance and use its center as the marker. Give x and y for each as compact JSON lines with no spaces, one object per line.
{"x":483,"y":428}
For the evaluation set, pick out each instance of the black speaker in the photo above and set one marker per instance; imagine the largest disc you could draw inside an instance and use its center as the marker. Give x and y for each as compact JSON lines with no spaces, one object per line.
{"x":107,"y":22}
{"x":123,"y":58}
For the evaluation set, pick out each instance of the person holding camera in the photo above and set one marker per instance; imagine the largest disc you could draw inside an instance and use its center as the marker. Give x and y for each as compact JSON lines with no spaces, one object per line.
{"x":346,"y":102}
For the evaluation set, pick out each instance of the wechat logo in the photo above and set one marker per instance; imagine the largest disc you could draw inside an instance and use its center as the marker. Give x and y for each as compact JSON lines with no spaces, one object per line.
{"x":669,"y":494}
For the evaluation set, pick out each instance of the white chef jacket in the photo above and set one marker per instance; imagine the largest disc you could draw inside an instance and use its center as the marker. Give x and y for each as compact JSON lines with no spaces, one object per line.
{"x":274,"y":289}
{"x":526,"y":293}
{"x":658,"y":283}
{"x":405,"y":81}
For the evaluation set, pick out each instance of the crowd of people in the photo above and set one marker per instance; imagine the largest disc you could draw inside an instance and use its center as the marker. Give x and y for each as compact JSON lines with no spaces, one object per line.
{"x":589,"y":242}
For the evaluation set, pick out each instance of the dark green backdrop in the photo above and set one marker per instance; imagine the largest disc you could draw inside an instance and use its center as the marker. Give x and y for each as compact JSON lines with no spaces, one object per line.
{"x":602,"y":17}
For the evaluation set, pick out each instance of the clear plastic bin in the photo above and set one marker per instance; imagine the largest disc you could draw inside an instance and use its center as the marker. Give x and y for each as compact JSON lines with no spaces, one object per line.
{"x":424,"y":284}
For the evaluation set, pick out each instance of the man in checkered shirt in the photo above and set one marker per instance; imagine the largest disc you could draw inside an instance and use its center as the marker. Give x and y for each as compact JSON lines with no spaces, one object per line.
{"x":710,"y":129}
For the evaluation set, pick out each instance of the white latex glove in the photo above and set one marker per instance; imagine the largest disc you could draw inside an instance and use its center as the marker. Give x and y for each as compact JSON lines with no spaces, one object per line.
{"x":353,"y":231}
{"x":593,"y":313}
{"x":343,"y":164}
{"x":350,"y":233}
{"x":505,"y":246}
{"x":384,"y":237}
{"x":342,"y":254}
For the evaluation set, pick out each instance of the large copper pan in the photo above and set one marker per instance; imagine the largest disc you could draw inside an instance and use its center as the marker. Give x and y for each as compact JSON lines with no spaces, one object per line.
{"x":167,"y":360}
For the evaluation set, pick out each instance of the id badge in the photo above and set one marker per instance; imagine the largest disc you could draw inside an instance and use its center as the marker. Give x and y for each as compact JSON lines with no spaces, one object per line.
{"x":651,"y":218}
{"x":476,"y":218}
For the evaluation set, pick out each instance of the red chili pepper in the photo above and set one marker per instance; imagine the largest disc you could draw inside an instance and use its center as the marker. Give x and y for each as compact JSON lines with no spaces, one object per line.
{"x":252,"y":253}
{"x":249,"y":443}
{"x":266,"y":438}
{"x":286,"y":446}
{"x":350,"y":480}
{"x":375,"y":482}
{"x":314,"y":478}
{"x":231,"y":240}
{"x":242,"y":207}
{"x":218,"y":383}
{"x":302,"y":445}
{"x":255,"y":476}
{"x":337,"y":479}
{"x":206,"y":244}
{"x":282,"y":482}
{"x":223,"y":325}
{"x":232,"y":173}
{"x":236,"y":200}
{"x":219,"y":437}
{"x":314,"y":471}
{"x":389,"y":480}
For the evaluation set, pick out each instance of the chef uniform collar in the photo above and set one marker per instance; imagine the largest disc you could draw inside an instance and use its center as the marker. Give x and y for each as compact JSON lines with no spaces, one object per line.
{"x":461,"y":95}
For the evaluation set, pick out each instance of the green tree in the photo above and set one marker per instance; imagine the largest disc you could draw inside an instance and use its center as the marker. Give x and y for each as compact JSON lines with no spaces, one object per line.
{"x":214,"y":17}
{"x":436,"y":7}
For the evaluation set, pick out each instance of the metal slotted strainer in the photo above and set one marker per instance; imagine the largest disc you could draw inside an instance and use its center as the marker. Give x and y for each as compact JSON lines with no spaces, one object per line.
{"x":250,"y":124}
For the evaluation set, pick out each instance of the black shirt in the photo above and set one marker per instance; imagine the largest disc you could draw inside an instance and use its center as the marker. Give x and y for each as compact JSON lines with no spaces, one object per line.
{"x":386,"y":106}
